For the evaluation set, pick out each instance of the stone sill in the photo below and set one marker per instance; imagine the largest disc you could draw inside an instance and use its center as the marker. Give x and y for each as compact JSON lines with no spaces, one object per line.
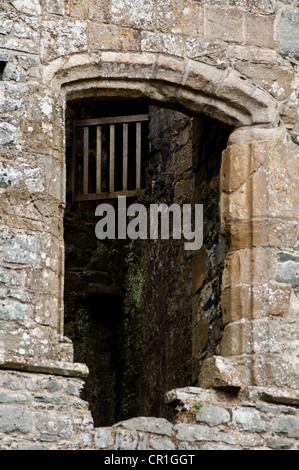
{"x":189,"y":396}
{"x":62,"y":368}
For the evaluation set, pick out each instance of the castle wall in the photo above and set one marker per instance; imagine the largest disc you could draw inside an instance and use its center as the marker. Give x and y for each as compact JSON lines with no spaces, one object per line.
{"x":233,"y":61}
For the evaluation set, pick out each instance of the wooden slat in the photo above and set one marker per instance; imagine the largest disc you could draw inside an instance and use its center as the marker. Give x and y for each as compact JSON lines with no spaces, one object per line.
{"x":86,"y":160}
{"x":73,"y":166}
{"x":111,"y":195}
{"x":138,"y":155}
{"x":112,"y":120}
{"x":125,"y":157}
{"x":99,"y":160}
{"x":112,"y":158}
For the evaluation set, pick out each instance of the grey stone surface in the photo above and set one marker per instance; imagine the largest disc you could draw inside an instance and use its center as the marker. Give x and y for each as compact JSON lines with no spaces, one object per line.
{"x":212,"y":415}
{"x":52,"y":386}
{"x":126,"y":440}
{"x":289,"y":426}
{"x":153,"y":425}
{"x":8,"y":104}
{"x":53,"y":428}
{"x":18,"y":295}
{"x":8,"y":175}
{"x":103,"y":438}
{"x":161,"y":444}
{"x":250,"y":420}
{"x":193,"y":432}
{"x":14,"y":73}
{"x":278,"y":443}
{"x":287,"y":270}
{"x":288,"y":33}
{"x":11,"y":310}
{"x":15,"y":418}
{"x":20,"y":249}
{"x":5,"y":25}
{"x":8,"y":280}
{"x":8,"y":397}
{"x":31,"y":7}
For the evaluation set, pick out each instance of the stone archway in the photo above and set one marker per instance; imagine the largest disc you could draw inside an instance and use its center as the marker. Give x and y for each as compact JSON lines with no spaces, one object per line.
{"x":226,"y":96}
{"x":188,"y":85}
{"x":223,"y":95}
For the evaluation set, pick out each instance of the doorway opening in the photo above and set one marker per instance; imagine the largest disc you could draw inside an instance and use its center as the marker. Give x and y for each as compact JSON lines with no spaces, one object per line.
{"x":133,"y":308}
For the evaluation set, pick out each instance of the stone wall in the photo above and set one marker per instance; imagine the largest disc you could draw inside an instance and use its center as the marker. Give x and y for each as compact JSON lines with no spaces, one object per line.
{"x":44,"y":412}
{"x":233,"y":61}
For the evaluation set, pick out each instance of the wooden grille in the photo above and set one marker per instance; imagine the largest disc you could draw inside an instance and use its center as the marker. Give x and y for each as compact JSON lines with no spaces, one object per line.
{"x":109,"y":157}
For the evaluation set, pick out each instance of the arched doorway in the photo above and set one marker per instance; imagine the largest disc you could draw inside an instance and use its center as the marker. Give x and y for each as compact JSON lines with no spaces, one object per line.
{"x":193,"y":88}
{"x":143,"y":314}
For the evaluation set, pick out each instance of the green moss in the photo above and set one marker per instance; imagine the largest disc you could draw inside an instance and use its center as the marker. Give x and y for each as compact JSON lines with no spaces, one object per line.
{"x":135,"y":280}
{"x":135,"y":288}
{"x":76,"y":326}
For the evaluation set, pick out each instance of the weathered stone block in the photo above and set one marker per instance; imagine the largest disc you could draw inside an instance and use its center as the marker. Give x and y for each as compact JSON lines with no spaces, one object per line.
{"x":60,"y":39}
{"x":8,"y":397}
{"x":219,"y":372}
{"x":288,"y":33}
{"x":267,"y":336}
{"x":213,"y":415}
{"x":287,"y":270}
{"x":278,"y":443}
{"x":258,"y":233}
{"x":20,"y":249}
{"x":5,"y":26}
{"x":138,"y":14}
{"x":8,"y":280}
{"x":126,"y":440}
{"x":249,"y":267}
{"x":196,"y":432}
{"x":276,"y":80}
{"x":55,"y":6}
{"x":8,"y":134}
{"x":112,"y":37}
{"x":162,"y":43}
{"x":236,"y":303}
{"x":103,"y":438}
{"x":30,"y":7}
{"x":52,"y":428}
{"x":236,"y":339}
{"x":254,"y":24}
{"x":153,"y":425}
{"x":7,"y":103}
{"x":15,"y":418}
{"x":275,"y":370}
{"x":161,"y":444}
{"x":9,"y":176}
{"x":180,"y":17}
{"x":288,"y":426}
{"x":249,"y":420}
{"x":12,"y":311}
{"x":223,"y":24}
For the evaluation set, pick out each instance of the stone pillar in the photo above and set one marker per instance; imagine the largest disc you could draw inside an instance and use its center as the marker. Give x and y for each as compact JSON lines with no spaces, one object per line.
{"x":259,"y":211}
{"x":32,"y":178}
